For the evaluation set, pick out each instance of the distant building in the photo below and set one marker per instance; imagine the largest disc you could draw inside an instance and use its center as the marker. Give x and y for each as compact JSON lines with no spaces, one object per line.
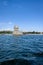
{"x":41,"y":32}
{"x":16,"y":31}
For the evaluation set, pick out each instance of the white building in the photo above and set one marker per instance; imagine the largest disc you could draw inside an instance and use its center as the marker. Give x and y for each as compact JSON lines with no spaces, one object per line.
{"x":16,"y":31}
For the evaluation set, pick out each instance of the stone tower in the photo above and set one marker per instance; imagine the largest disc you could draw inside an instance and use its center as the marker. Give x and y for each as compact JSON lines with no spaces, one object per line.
{"x":16,"y":31}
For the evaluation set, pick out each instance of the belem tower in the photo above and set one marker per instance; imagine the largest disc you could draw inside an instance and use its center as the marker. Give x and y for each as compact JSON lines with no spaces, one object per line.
{"x":16,"y":31}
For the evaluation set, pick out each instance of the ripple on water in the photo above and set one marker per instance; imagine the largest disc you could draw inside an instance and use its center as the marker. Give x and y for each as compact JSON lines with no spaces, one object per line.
{"x":27,"y":48}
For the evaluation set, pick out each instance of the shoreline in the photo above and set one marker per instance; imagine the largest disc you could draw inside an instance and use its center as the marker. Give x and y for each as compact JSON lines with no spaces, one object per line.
{"x":22,"y":34}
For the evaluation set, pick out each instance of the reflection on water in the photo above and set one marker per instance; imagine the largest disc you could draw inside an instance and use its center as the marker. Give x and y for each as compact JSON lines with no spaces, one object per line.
{"x":21,"y":50}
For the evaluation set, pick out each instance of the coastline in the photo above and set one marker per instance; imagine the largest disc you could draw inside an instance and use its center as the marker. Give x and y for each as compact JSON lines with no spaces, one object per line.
{"x":22,"y":34}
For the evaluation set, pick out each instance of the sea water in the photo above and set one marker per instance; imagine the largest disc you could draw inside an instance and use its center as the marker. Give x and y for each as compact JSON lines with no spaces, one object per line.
{"x":21,"y":50}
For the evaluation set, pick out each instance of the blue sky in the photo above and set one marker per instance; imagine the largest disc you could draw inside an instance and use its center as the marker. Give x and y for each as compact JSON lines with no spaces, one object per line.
{"x":27,"y":14}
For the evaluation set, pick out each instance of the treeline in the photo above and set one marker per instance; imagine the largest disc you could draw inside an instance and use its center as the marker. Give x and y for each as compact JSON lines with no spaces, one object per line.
{"x":5,"y":32}
{"x":33,"y":32}
{"x":10,"y":32}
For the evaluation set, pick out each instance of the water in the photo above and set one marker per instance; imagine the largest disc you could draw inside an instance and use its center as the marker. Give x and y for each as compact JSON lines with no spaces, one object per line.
{"x":21,"y":50}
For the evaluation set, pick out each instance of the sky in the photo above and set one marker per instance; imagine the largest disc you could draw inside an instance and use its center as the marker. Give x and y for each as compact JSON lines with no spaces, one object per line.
{"x":27,"y":14}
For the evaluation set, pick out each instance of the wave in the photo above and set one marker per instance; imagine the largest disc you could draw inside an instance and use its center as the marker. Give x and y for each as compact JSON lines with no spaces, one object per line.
{"x":23,"y":61}
{"x":19,"y":62}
